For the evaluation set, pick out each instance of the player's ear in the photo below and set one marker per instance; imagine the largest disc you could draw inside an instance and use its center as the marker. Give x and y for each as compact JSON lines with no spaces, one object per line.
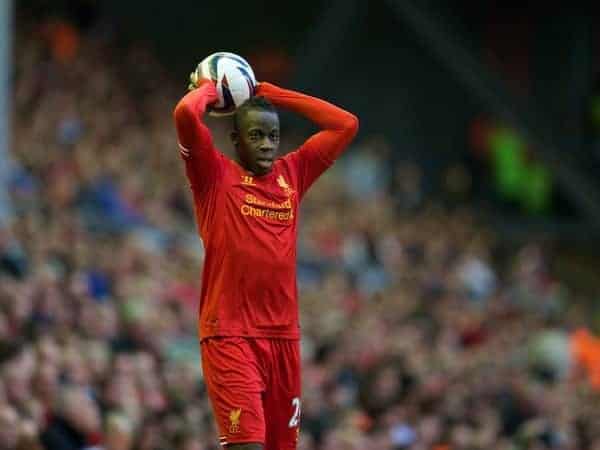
{"x":235,"y":138}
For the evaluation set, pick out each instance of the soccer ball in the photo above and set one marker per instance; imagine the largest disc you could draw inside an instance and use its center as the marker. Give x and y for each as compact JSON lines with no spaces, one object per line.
{"x":234,"y":80}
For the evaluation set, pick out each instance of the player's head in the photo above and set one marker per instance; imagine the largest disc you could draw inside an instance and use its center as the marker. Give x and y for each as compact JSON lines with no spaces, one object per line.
{"x":255,"y":134}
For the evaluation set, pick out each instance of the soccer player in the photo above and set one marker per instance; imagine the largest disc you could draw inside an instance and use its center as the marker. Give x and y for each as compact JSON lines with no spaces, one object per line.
{"x":247,"y":216}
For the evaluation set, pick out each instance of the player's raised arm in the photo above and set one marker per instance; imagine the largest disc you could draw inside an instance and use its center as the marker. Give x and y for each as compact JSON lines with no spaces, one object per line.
{"x":338,"y":126}
{"x":194,"y":138}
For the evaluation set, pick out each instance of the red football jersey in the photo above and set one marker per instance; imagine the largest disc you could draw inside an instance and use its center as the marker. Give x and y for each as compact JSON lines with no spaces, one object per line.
{"x":248,"y":223}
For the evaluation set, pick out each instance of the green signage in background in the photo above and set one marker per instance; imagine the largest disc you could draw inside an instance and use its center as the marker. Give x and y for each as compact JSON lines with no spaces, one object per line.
{"x":516,"y":178}
{"x":508,"y":158}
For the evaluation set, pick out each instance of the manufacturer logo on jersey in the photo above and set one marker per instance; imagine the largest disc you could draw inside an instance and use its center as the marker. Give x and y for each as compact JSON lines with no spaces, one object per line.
{"x":234,"y":418}
{"x":248,"y":180}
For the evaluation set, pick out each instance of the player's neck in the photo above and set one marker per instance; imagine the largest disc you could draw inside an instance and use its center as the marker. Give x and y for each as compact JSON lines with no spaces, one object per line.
{"x":240,"y":163}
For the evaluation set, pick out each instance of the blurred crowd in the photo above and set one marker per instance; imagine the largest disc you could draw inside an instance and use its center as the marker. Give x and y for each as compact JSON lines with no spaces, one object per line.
{"x":417,"y":334}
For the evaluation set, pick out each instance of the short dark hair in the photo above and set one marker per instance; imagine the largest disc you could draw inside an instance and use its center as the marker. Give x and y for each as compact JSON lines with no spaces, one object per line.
{"x":257,"y":102}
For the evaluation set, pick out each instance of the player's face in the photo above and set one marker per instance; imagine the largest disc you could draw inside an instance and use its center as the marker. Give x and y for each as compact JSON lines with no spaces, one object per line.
{"x":257,"y":140}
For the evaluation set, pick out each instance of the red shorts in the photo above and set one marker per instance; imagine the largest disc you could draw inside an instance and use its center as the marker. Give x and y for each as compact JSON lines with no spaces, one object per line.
{"x":254,"y":388}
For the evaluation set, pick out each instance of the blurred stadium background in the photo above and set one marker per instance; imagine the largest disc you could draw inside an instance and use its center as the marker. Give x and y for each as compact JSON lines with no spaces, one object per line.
{"x":448,"y":265}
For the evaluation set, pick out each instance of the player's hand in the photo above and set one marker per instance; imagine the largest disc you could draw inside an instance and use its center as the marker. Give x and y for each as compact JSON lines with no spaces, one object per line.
{"x":258,"y":88}
{"x":196,"y":81}
{"x":263,"y":86}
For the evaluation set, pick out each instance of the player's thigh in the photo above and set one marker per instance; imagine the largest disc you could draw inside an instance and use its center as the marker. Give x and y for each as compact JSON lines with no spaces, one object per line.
{"x":282,"y":403}
{"x":235,"y":387}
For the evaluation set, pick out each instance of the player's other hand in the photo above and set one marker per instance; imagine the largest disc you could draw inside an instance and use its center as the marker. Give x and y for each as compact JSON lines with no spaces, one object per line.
{"x":259,"y":86}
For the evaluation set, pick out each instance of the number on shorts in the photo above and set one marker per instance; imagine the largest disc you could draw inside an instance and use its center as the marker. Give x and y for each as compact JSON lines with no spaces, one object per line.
{"x":295,"y":420}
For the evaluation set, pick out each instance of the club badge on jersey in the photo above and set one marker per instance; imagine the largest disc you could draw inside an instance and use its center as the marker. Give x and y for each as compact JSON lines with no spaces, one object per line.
{"x":234,"y":418}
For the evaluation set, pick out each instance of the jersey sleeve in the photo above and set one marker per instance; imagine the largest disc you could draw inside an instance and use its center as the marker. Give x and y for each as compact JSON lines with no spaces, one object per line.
{"x":203,"y":163}
{"x":338,"y":128}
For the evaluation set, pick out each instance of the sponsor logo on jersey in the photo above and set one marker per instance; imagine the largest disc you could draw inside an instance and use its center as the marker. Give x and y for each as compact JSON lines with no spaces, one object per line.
{"x":253,"y":206}
{"x":234,"y":418}
{"x":267,"y":213}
